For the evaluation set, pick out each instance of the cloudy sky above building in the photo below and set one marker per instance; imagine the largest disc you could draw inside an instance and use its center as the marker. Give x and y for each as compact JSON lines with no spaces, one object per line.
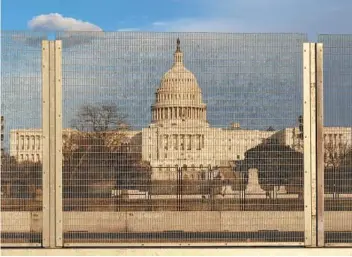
{"x":312,"y":17}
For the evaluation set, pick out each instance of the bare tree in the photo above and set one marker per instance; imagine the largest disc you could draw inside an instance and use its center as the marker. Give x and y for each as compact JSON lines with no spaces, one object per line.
{"x":99,"y":118}
{"x":335,"y":153}
{"x":93,"y":144}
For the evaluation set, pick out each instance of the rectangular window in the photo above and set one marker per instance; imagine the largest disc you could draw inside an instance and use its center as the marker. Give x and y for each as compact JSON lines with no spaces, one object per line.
{"x":198,"y":142}
{"x":175,"y":142}
{"x":22,"y":142}
{"x":38,"y":142}
{"x":28,"y":142}
{"x":182,"y":145}
{"x":189,"y":142}
{"x":33,"y":142}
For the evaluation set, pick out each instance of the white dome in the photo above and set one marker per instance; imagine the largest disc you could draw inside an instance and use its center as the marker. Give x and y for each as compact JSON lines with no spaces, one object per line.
{"x":179,"y":79}
{"x":179,"y":97}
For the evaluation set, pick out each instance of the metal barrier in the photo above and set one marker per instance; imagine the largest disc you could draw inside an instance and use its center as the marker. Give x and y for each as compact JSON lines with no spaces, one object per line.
{"x":162,"y":129}
{"x":21,"y":140}
{"x":337,"y":138}
{"x":173,"y":139}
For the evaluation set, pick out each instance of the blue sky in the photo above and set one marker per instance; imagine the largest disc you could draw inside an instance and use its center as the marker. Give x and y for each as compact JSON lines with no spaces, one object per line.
{"x":306,"y":16}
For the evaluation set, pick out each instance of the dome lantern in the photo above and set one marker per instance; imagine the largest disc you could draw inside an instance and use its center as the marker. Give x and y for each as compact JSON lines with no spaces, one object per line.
{"x":178,"y":55}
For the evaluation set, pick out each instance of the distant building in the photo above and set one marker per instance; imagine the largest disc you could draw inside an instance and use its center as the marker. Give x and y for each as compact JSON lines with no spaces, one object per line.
{"x":27,"y":144}
{"x":337,"y":141}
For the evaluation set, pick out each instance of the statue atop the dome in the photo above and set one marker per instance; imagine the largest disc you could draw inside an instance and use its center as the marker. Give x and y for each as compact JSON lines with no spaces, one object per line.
{"x":178,"y":49}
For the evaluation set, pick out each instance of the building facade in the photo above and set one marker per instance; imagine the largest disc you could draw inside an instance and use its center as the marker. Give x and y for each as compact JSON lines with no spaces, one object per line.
{"x":27,"y":144}
{"x":337,"y":142}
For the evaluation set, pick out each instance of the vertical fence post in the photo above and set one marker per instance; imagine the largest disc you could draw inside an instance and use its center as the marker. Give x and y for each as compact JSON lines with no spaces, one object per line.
{"x":309,"y":133}
{"x":45,"y":140}
{"x":58,"y":143}
{"x":52,"y":144}
{"x":313,"y":144}
{"x":320,"y":146}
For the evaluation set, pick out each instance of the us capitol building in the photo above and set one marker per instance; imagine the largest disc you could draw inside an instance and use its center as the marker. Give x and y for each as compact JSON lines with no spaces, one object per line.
{"x":180,"y":135}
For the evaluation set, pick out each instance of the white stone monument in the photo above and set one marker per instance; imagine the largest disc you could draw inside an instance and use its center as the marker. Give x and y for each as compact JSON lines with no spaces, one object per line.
{"x":253,"y":187}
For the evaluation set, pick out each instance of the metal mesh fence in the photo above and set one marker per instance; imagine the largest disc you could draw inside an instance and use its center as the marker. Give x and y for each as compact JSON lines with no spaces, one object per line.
{"x":182,"y":137}
{"x":337,"y":137}
{"x":21,"y":138}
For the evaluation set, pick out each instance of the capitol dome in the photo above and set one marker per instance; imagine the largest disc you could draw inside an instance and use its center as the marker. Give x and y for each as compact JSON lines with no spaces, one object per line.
{"x":179,"y":97}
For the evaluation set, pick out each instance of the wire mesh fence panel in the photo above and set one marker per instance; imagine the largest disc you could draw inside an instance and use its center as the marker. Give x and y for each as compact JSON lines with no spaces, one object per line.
{"x":337,"y":137}
{"x":182,"y":137}
{"x":21,"y":138}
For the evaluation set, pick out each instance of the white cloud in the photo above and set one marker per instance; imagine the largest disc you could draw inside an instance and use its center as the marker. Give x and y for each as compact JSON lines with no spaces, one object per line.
{"x":57,"y":22}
